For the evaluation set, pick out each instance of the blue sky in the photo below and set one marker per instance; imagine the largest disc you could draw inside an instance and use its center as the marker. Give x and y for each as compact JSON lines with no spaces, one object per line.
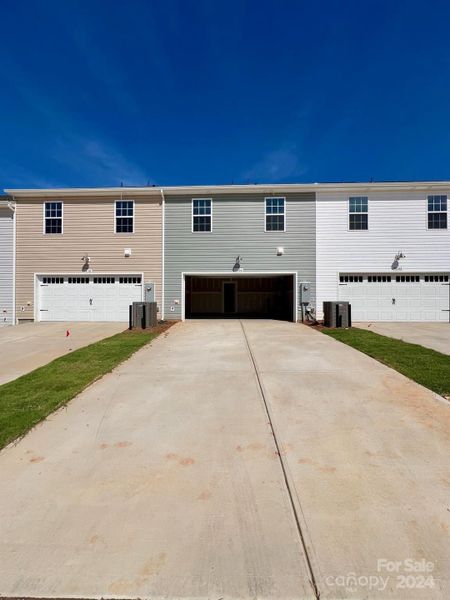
{"x":169,"y":92}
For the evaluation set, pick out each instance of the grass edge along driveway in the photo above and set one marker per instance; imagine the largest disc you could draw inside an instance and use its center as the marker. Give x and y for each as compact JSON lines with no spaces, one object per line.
{"x":423,"y":365}
{"x":29,"y":399}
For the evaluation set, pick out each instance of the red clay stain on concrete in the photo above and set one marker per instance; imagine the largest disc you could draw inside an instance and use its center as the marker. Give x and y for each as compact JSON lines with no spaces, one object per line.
{"x":130,"y":586}
{"x":103,"y":446}
{"x":327,"y":469}
{"x":205,"y":495}
{"x":184,"y":461}
{"x":122,"y":444}
{"x":37,"y":459}
{"x":252,"y":446}
{"x":95,"y":539}
{"x":323,"y":468}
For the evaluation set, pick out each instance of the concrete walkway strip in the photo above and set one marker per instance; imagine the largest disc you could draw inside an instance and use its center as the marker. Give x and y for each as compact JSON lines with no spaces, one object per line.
{"x":28,"y":346}
{"x":430,"y":335}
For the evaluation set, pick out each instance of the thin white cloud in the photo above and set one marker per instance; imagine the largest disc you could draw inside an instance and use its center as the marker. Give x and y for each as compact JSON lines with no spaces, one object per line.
{"x":98,"y":161}
{"x":15,"y":175}
{"x":276,"y":165}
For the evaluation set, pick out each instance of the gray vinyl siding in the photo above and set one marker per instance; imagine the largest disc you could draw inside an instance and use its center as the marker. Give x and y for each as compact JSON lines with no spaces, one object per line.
{"x":238,"y":229}
{"x":6,"y":266}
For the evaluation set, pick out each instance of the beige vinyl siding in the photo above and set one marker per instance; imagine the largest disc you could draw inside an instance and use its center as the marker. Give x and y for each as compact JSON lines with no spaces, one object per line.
{"x":89,"y":228}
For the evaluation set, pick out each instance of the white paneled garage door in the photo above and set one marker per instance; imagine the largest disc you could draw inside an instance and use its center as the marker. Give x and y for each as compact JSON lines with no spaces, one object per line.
{"x":87,"y":297}
{"x":400,"y":297}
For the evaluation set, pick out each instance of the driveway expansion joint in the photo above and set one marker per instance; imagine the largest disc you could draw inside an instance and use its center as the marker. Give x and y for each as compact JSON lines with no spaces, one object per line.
{"x":283,"y":467}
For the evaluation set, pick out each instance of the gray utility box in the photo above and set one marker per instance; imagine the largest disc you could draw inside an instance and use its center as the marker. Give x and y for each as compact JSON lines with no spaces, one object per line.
{"x":149,"y":292}
{"x":143,"y":315}
{"x":337,"y":314}
{"x":304,"y":292}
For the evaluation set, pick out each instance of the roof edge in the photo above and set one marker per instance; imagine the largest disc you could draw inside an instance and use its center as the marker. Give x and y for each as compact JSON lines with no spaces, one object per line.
{"x":205,"y":189}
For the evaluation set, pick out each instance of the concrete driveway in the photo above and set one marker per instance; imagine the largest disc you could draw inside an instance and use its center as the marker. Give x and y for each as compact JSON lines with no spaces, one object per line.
{"x":31,"y":345}
{"x":431,"y":335}
{"x":262,"y":460}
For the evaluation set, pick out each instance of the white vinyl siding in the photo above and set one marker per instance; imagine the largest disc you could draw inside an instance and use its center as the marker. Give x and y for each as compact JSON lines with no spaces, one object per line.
{"x":398,"y":223}
{"x":6,"y":266}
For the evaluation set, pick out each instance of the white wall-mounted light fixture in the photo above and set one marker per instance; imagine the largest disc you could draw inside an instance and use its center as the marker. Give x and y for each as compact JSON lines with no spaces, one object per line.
{"x":280,"y":251}
{"x":127,"y":252}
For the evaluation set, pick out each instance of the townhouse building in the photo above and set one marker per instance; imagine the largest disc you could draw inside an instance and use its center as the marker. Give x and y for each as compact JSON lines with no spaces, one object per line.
{"x":385,"y":247}
{"x":227,"y":251}
{"x":234,"y":251}
{"x":86,"y":254}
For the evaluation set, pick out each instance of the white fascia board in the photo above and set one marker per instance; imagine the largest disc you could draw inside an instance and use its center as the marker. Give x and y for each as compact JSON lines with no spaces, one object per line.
{"x":242,"y":189}
{"x":84,"y":192}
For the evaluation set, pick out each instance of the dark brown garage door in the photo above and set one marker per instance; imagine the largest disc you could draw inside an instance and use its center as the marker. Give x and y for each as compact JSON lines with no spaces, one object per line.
{"x":258,"y":297}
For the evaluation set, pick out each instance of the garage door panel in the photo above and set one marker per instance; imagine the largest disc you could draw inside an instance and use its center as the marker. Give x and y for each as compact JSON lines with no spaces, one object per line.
{"x":405,"y":298}
{"x":91,"y":299}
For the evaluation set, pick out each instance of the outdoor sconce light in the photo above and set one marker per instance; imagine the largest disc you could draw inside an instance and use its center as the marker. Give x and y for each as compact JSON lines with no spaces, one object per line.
{"x":237,"y":263}
{"x":280,"y":251}
{"x":87,"y":263}
{"x":397,"y":258}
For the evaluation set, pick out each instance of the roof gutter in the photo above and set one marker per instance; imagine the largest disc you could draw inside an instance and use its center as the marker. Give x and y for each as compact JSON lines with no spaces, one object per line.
{"x":133,"y":192}
{"x":8,"y":204}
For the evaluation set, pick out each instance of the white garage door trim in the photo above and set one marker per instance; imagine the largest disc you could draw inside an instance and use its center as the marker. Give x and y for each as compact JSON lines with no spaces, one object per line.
{"x":118,"y":287}
{"x":401,"y":296}
{"x":239,"y":274}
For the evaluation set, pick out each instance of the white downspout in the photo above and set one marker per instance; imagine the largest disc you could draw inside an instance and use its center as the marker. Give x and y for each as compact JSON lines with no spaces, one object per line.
{"x":163,"y":206}
{"x":14,"y":321}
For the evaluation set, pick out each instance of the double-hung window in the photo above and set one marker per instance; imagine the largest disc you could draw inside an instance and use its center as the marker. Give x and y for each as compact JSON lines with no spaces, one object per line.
{"x":358,"y":213}
{"x":275,"y":214}
{"x":437,"y":212}
{"x":53,"y":217}
{"x":124,"y":216}
{"x":202,"y":214}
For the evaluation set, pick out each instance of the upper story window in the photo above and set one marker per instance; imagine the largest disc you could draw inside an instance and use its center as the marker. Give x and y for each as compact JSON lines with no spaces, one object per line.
{"x":124,"y":216}
{"x":202,"y":214}
{"x":358,"y":212}
{"x":275,"y":214}
{"x":53,"y":217}
{"x":437,"y":212}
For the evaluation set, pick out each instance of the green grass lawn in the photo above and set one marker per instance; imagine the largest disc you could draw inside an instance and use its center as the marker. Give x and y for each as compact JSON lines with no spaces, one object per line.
{"x":425,"y":366}
{"x":30,"y":398}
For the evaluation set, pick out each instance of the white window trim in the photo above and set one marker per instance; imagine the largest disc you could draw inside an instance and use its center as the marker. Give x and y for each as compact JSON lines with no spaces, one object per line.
{"x":357,"y":213}
{"x":115,"y":217}
{"x":266,"y":214}
{"x":44,"y":217}
{"x":428,"y":212}
{"x":192,"y":215}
